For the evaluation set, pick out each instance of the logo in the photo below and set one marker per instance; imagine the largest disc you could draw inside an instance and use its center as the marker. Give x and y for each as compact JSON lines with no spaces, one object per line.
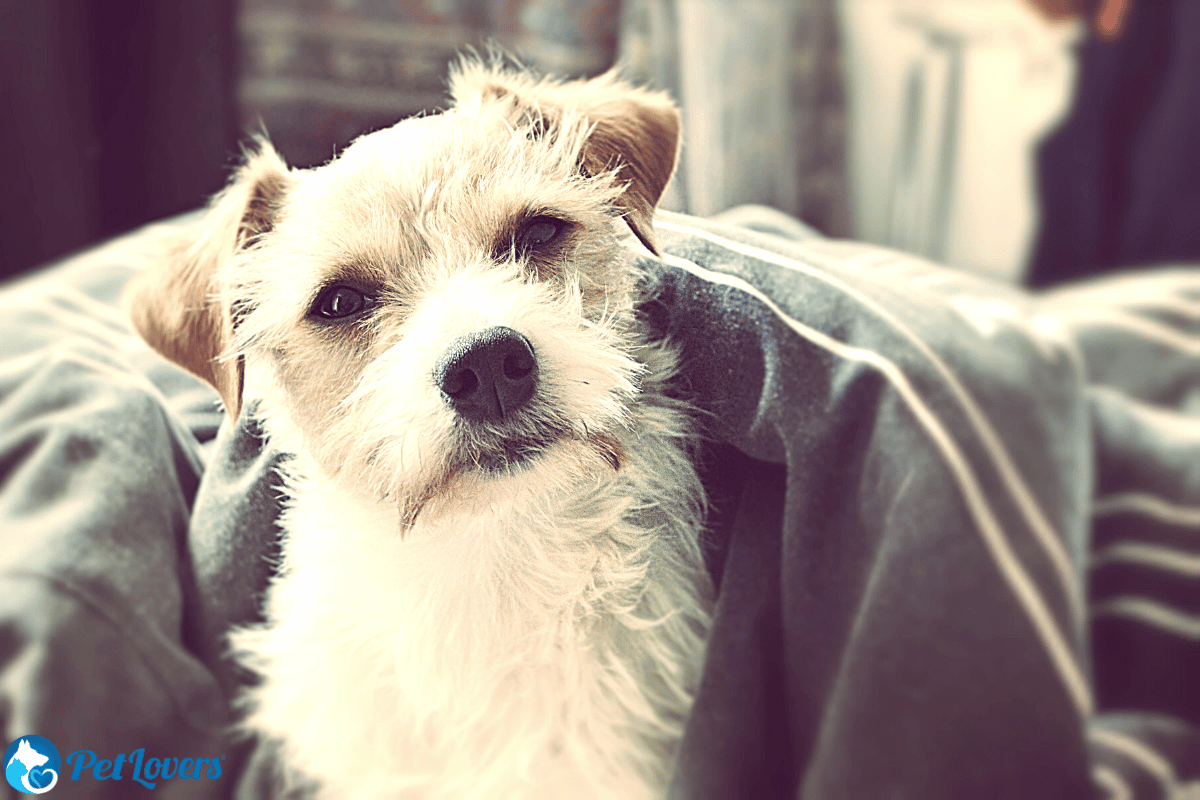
{"x":146,"y":771}
{"x":31,"y":765}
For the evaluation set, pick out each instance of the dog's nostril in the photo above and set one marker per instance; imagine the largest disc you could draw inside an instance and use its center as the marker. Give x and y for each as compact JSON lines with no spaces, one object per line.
{"x":487,"y":375}
{"x":459,"y":382}
{"x":517,"y":367}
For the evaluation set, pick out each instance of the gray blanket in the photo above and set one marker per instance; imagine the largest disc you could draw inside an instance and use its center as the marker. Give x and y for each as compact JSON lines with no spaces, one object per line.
{"x":956,"y":530}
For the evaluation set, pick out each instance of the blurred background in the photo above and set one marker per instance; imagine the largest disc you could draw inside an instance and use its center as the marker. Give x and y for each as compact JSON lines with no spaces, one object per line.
{"x":1027,"y":140}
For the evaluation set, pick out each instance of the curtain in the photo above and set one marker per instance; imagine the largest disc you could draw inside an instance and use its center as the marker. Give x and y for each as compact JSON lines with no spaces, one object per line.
{"x":113,"y":114}
{"x":761,"y":89}
{"x":318,"y":73}
{"x":119,"y":113}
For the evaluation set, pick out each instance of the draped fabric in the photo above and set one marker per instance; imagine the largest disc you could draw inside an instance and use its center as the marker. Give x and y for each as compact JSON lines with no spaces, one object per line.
{"x":954,"y":527}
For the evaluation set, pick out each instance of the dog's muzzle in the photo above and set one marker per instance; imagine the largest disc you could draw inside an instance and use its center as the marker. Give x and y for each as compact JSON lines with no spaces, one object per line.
{"x":487,"y":375}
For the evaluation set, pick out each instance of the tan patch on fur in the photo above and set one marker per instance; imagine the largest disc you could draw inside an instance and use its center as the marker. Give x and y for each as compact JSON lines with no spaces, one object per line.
{"x":180,"y":307}
{"x":609,"y":448}
{"x":320,"y":365}
{"x":179,"y":314}
{"x":641,"y":140}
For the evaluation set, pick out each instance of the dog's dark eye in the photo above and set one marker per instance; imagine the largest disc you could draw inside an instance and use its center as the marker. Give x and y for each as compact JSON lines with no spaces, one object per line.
{"x":339,"y":302}
{"x":538,"y":232}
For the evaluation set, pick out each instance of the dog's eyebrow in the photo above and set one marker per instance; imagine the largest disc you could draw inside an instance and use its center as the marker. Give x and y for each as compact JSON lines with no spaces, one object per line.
{"x":359,"y":274}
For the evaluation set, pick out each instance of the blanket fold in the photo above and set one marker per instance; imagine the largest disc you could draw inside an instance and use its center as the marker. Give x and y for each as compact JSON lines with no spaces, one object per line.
{"x":955,"y":528}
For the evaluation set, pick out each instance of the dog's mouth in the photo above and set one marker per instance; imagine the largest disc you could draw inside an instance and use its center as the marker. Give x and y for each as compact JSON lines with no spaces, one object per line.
{"x":508,"y":453}
{"x":499,"y":451}
{"x":515,"y":445}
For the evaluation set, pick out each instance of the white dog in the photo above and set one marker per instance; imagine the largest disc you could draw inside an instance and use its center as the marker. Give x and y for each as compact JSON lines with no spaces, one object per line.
{"x":491,"y":583}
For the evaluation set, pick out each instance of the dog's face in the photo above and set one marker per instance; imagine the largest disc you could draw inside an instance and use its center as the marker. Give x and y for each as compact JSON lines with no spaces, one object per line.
{"x":447,"y":300}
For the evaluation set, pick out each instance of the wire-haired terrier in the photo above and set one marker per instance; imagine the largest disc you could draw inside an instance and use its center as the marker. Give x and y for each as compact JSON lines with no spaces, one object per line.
{"x":491,"y":581}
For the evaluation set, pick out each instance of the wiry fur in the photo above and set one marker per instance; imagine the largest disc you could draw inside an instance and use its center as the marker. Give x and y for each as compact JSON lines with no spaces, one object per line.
{"x":466,"y":610}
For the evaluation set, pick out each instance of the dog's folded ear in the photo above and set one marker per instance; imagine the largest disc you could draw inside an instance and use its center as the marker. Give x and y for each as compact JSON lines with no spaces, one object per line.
{"x":181,"y":306}
{"x":634,"y":131}
{"x":639,"y":133}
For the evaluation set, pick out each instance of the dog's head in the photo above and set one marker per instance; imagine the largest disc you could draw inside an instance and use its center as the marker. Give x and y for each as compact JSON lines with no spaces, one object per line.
{"x":447,"y":297}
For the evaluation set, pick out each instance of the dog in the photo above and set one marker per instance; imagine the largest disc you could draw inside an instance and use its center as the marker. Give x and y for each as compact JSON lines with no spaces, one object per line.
{"x":491,"y":582}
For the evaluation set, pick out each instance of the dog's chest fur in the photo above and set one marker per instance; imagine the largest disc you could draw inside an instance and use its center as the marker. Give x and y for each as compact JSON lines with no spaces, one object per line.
{"x":538,"y":647}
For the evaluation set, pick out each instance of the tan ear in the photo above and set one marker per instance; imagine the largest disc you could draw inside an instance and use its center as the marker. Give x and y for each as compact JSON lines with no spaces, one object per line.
{"x":640,"y":135}
{"x":634,"y":131}
{"x":179,"y":306}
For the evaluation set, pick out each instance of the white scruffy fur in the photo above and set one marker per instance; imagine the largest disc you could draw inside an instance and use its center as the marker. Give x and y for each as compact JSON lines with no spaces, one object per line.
{"x":437,"y":629}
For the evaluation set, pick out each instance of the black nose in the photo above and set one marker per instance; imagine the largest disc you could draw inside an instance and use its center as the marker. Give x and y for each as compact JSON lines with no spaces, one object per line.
{"x":488,"y":374}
